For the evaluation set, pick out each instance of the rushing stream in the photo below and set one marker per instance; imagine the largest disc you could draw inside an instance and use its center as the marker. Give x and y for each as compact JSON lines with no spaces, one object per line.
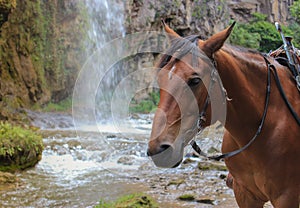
{"x":78,"y":171}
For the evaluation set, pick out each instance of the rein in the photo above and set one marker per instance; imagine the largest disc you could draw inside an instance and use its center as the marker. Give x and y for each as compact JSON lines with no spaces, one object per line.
{"x":235,"y":152}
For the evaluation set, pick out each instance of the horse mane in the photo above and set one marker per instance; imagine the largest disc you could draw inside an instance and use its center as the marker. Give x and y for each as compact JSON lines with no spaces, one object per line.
{"x":245,"y":55}
{"x":236,"y":51}
{"x":181,"y":47}
{"x":240,"y":49}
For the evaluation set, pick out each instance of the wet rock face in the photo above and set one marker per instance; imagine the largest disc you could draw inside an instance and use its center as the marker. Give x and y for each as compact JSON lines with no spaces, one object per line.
{"x":40,"y":44}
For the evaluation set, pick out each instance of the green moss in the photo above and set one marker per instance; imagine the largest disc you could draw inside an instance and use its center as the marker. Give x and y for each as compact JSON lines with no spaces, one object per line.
{"x":130,"y":201}
{"x":20,"y":148}
{"x":187,"y":197}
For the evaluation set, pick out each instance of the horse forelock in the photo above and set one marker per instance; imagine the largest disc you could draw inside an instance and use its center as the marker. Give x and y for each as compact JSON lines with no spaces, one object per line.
{"x":179,"y":48}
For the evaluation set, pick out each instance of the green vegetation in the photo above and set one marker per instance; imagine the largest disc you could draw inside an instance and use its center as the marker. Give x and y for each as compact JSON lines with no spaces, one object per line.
{"x":295,"y":11}
{"x":62,"y":106}
{"x":294,"y":26}
{"x":40,"y":53}
{"x":147,"y":105}
{"x":187,"y":197}
{"x":259,"y":34}
{"x":19,"y":148}
{"x":130,"y":201}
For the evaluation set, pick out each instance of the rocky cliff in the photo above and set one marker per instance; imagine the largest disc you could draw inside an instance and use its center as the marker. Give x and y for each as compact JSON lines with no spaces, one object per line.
{"x":203,"y":17}
{"x":40,"y":44}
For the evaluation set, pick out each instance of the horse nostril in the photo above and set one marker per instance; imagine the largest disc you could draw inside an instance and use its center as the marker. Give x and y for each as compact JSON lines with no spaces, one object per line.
{"x":148,"y":152}
{"x":161,"y":148}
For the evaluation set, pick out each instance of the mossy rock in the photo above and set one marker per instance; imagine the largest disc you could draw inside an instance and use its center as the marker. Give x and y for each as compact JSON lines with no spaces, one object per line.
{"x":187,"y":197}
{"x":212,"y":166}
{"x":20,"y":148}
{"x":130,"y":201}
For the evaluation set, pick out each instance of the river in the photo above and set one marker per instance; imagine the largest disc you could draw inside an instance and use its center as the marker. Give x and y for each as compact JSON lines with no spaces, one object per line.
{"x":80,"y":168}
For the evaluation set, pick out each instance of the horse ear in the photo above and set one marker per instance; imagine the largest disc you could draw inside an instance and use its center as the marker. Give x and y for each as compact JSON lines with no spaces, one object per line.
{"x":215,"y":42}
{"x":171,"y":33}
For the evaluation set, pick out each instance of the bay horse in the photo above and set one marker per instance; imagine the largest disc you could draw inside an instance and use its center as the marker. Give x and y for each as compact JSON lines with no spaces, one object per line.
{"x":269,"y":168}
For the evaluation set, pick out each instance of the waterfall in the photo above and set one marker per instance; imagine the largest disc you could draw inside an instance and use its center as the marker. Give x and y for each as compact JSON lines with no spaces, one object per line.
{"x":106,"y":20}
{"x":105,"y":23}
{"x":114,"y":71}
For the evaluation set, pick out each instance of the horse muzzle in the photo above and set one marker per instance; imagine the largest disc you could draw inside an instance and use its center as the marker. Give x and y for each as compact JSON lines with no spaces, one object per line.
{"x":165,"y":155}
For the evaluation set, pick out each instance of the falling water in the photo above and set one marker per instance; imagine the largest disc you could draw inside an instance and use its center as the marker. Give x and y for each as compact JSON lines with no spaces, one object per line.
{"x":106,"y":20}
{"x":106,"y":23}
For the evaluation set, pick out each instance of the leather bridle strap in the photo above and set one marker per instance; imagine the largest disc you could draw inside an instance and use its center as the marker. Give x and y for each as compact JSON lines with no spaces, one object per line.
{"x":282,"y":93}
{"x":235,"y":152}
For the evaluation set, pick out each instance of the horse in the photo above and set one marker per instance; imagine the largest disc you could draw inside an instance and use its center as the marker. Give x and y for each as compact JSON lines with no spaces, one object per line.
{"x":243,"y":82}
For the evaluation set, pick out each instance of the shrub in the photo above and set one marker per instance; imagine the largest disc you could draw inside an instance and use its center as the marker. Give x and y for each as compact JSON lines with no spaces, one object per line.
{"x":295,"y":11}
{"x":259,"y":34}
{"x":146,"y":106}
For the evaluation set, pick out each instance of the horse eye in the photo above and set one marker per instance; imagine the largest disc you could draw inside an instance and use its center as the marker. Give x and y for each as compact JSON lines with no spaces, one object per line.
{"x":194,"y":81}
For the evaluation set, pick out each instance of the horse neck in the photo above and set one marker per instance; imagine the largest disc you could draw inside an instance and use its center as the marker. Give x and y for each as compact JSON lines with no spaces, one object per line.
{"x":244,"y":77}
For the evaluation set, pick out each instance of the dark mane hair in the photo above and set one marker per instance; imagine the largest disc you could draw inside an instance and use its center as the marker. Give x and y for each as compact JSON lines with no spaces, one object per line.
{"x":179,"y":48}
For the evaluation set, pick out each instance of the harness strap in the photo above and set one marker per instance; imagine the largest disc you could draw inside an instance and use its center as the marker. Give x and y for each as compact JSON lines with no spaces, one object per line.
{"x":235,"y":152}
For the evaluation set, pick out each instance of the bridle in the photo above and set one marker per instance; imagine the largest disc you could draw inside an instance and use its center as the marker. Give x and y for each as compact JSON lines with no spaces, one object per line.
{"x":202,"y":116}
{"x":213,"y":79}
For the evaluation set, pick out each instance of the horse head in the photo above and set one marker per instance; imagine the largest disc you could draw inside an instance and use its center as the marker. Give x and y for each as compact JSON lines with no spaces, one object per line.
{"x":186,"y":79}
